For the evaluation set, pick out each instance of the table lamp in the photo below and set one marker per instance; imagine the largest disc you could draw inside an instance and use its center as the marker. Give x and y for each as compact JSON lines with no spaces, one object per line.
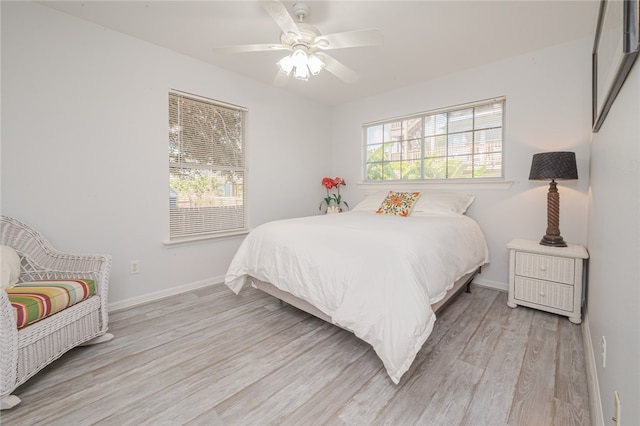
{"x":553,"y":166}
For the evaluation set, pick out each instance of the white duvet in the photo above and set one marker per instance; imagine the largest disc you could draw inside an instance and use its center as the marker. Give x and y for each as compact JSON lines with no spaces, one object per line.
{"x":373,"y":274}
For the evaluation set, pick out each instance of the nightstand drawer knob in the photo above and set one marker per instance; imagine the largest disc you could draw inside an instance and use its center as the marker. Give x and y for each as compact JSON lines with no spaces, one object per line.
{"x":543,"y":267}
{"x":542,"y":294}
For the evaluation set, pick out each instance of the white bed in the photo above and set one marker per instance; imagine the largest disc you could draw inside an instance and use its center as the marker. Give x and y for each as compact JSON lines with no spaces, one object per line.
{"x":375,"y":275}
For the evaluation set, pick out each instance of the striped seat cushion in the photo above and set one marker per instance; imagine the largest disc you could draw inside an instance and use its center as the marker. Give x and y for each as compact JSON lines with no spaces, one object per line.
{"x":35,"y":300}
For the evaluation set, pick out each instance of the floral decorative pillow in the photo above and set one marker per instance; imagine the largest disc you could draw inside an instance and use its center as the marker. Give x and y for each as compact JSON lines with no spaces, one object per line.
{"x":398,"y":203}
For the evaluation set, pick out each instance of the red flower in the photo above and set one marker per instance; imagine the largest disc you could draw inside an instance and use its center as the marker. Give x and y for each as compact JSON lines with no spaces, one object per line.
{"x":328,"y":183}
{"x":339,"y":181}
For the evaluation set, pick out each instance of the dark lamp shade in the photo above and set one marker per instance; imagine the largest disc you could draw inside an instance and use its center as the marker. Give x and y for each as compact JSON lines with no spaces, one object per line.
{"x":553,"y":166}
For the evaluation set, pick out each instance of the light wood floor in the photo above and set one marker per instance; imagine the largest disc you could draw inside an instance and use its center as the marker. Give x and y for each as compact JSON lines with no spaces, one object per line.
{"x":209,"y":357}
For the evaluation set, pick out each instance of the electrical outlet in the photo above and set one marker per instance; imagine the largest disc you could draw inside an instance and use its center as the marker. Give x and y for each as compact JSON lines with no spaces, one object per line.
{"x":617,"y":407}
{"x":604,"y":352}
{"x":134,"y":267}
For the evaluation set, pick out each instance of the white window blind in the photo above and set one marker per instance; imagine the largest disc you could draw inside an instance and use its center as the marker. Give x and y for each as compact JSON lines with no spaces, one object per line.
{"x":207,"y":175}
{"x":461,"y":142}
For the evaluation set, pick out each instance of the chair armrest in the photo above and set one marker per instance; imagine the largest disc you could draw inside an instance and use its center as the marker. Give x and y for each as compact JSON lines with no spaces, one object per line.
{"x":53,"y":264}
{"x":8,"y":345}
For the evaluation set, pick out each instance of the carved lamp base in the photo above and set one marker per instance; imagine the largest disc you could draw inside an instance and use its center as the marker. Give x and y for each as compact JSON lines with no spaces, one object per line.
{"x":552,"y":237}
{"x":553,"y":241}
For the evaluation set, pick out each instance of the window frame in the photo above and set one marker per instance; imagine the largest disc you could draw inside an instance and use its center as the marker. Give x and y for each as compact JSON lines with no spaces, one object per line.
{"x":446,"y":181}
{"x":214,"y":232}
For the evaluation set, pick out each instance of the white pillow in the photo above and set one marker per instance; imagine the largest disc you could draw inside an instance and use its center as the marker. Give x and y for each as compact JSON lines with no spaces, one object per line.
{"x":442,"y":202}
{"x":371,"y":202}
{"x":10,"y":267}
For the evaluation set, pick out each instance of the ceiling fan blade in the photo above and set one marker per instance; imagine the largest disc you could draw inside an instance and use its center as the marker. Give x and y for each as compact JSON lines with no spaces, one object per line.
{"x":338,"y":68}
{"x":282,"y":17}
{"x":281,"y":79}
{"x":244,"y":48}
{"x":346,"y":39}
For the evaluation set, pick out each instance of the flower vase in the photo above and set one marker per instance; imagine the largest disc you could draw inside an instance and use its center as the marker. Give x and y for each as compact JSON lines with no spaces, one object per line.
{"x":333,"y":209}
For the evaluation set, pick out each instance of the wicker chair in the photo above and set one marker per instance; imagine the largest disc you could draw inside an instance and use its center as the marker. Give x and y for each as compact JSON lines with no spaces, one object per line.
{"x":26,"y":351}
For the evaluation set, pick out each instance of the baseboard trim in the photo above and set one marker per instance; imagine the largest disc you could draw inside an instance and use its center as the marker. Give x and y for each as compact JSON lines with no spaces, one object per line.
{"x":495,"y":285}
{"x":151,"y":297}
{"x":595,"y":401}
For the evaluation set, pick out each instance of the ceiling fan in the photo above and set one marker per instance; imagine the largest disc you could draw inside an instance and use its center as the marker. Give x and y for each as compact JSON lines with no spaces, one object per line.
{"x":307,"y":45}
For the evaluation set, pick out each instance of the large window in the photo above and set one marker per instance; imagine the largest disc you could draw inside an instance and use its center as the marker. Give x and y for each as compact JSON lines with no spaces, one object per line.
{"x":462,"y":142}
{"x":206,"y":167}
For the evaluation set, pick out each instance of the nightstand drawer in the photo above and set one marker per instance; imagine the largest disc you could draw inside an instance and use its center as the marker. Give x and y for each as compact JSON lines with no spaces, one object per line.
{"x":544,"y":293}
{"x":549,"y":268}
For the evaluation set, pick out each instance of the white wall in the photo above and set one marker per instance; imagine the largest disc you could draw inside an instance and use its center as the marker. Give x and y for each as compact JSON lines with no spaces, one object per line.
{"x":84,"y":145}
{"x":614,"y":244}
{"x":548,"y":108}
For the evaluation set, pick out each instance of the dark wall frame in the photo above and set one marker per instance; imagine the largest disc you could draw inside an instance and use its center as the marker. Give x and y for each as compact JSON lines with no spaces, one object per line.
{"x":630,"y":31}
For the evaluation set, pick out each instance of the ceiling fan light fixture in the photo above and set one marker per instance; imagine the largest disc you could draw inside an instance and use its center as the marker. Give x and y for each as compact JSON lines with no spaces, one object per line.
{"x":299,"y":58}
{"x":301,"y":73}
{"x":315,"y":64}
{"x":286,"y":64}
{"x":301,"y":64}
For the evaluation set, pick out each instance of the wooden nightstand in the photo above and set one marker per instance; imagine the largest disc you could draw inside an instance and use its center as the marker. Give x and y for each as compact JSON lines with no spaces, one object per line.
{"x":547,"y":278}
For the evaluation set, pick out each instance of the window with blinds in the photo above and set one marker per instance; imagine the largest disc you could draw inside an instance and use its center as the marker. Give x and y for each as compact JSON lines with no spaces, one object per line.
{"x":206,"y":167}
{"x":462,"y":142}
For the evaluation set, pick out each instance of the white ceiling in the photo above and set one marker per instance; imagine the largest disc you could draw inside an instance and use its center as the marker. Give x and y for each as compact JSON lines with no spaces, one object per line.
{"x":422,"y":39}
